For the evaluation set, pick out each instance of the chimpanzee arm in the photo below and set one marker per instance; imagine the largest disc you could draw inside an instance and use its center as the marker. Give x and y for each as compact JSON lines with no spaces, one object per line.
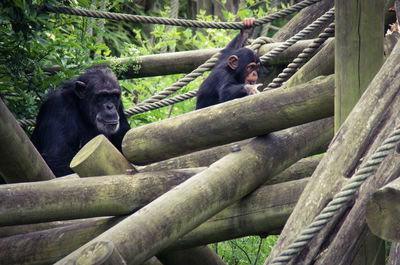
{"x":240,"y":40}
{"x":55,"y":124}
{"x":231,"y":91}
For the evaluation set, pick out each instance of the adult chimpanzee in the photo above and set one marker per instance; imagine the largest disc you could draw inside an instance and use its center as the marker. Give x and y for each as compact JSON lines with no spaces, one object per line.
{"x":84,"y":107}
{"x":234,"y":75}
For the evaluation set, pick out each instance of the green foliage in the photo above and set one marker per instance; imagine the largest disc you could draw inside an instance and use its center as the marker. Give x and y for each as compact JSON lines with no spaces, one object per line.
{"x":246,"y":250}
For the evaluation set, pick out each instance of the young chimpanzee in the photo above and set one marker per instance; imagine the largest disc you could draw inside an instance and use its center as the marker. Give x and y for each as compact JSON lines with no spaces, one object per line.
{"x":84,"y":107}
{"x":234,"y":75}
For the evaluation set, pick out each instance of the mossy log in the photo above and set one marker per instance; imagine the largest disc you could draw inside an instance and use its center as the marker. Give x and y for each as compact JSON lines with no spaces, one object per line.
{"x":231,"y":121}
{"x":186,"y":206}
{"x":301,"y":169}
{"x":263,"y":212}
{"x":354,"y":137}
{"x":359,"y":33}
{"x":20,"y":161}
{"x":204,"y":158}
{"x":322,"y":63}
{"x":99,"y":157}
{"x":187,"y":61}
{"x":383,"y":212}
{"x":35,"y":202}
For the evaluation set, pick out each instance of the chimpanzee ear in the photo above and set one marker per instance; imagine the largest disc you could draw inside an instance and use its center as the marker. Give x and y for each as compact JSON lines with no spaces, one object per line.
{"x":233,"y":62}
{"x":80,"y":89}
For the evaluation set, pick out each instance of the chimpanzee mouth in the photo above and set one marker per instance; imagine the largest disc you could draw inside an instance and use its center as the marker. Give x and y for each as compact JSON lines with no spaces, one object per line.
{"x":107,"y":127}
{"x":249,"y":82}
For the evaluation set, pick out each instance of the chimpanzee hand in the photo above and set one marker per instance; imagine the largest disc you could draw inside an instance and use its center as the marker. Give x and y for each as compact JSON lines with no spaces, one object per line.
{"x":252,"y":89}
{"x":248,"y":24}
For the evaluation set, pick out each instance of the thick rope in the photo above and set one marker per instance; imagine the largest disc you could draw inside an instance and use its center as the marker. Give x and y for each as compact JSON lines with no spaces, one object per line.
{"x":340,"y":199}
{"x":299,"y":36}
{"x":177,"y":22}
{"x":302,"y":58}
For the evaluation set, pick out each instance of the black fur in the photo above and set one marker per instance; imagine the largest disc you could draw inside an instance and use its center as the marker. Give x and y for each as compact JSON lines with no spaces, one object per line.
{"x":82,"y":109}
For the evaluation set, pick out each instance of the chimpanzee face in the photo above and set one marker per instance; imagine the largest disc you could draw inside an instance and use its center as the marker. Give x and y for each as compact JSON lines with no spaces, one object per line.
{"x":251,"y":71}
{"x":106,"y":104}
{"x":246,"y":66}
{"x":100,"y":102}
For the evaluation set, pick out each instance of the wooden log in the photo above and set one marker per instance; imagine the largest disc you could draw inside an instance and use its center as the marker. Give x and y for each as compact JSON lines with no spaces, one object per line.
{"x":300,"y":169}
{"x":186,"y":206}
{"x":264,"y":211}
{"x":99,"y":157}
{"x":345,"y":151}
{"x":20,"y":161}
{"x":322,"y":63}
{"x":202,"y":158}
{"x":186,"y":61}
{"x":304,"y":18}
{"x":232,"y":121}
{"x":394,"y":255}
{"x":382,"y":211}
{"x":80,"y":198}
{"x":358,"y":51}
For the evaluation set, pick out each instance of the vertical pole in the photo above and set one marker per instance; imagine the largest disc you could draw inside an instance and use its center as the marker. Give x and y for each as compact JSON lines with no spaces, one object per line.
{"x":358,"y":57}
{"x":358,"y":51}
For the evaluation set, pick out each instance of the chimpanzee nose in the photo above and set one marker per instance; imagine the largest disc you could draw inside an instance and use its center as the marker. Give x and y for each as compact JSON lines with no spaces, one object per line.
{"x":109,"y":106}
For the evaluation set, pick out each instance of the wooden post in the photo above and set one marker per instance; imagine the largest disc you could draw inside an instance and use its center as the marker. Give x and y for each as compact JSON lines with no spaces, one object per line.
{"x":188,"y":205}
{"x":231,"y":121}
{"x":20,"y":161}
{"x":99,"y":157}
{"x":358,"y":51}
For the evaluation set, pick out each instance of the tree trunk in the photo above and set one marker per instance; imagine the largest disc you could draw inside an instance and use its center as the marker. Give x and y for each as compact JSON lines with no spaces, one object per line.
{"x":345,"y":151}
{"x":20,"y":161}
{"x":188,"y":205}
{"x":248,"y":117}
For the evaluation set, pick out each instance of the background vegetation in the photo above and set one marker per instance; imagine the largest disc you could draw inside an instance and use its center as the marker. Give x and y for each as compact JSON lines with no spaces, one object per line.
{"x":40,"y":50}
